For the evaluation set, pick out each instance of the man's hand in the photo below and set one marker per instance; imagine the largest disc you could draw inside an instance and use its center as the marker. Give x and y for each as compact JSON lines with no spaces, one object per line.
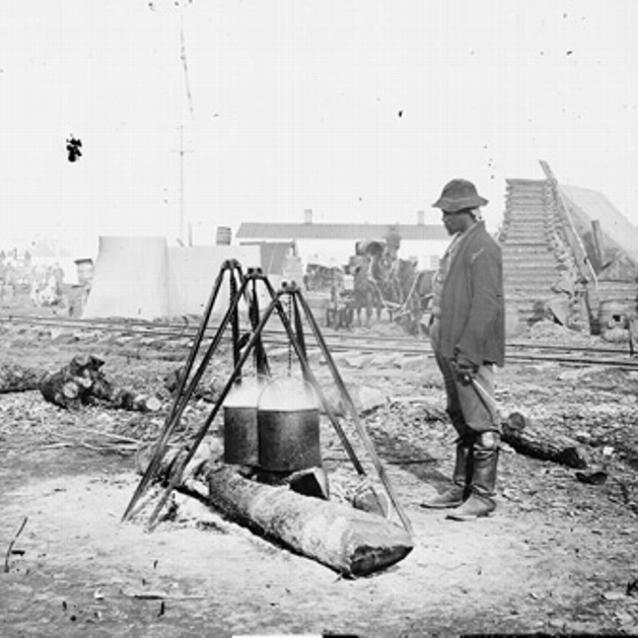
{"x":465,"y":369}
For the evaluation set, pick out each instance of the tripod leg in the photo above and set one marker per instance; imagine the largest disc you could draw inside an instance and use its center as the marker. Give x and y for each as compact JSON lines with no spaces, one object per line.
{"x":205,"y":427}
{"x":234,"y":320}
{"x":299,"y":328}
{"x":261,"y":360}
{"x":300,"y":349}
{"x":170,"y":421}
{"x":365,"y":438}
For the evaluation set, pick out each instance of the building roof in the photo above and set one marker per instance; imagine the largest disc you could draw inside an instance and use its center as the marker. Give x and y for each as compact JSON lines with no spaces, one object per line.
{"x":274,"y":230}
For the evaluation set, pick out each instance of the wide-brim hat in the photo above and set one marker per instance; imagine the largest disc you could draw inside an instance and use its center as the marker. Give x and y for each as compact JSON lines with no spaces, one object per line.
{"x":458,"y":195}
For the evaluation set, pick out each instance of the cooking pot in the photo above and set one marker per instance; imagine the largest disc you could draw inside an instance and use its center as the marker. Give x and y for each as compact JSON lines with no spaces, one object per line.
{"x":288,"y":426}
{"x":240,"y":423}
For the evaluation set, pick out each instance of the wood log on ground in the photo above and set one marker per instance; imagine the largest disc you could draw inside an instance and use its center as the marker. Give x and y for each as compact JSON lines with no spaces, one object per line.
{"x":349,"y":541}
{"x":81,"y":382}
{"x":123,"y":398}
{"x":524,"y":439}
{"x":17,"y":378}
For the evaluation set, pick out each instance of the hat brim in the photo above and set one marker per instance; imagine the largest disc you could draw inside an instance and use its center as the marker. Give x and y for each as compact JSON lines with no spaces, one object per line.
{"x":455,"y":205}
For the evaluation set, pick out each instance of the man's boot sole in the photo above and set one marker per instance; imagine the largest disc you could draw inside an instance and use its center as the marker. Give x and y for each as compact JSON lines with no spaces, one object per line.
{"x":463,"y":518}
{"x":441,"y":506}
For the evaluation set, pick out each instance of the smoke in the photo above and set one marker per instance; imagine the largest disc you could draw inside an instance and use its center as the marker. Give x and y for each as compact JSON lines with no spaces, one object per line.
{"x":288,"y":395}
{"x":245,"y":394}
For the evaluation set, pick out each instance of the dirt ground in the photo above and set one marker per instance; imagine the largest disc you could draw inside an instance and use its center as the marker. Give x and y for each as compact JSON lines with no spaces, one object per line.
{"x":558,"y":556}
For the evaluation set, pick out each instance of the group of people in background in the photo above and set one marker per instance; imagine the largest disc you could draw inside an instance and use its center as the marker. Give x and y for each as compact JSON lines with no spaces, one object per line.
{"x":18,"y":270}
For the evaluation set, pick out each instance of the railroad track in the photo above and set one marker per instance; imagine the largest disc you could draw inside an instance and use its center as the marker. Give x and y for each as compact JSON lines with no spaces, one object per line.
{"x":517,"y":351}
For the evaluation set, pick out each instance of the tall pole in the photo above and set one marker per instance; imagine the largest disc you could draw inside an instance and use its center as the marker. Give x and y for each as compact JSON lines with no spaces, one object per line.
{"x":181,"y":183}
{"x":181,"y":150}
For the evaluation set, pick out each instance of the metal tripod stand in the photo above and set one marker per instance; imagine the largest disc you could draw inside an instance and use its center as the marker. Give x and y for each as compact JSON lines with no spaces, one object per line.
{"x":297,"y":342}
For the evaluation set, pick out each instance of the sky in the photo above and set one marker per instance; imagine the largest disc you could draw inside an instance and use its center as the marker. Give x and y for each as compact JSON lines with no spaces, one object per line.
{"x":360,"y":110}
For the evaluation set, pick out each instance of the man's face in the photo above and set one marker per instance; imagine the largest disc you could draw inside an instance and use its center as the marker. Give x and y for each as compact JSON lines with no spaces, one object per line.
{"x":454,"y":222}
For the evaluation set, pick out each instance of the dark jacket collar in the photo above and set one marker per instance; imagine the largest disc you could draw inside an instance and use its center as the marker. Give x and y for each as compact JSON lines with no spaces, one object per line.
{"x":472,"y":229}
{"x":466,"y":236}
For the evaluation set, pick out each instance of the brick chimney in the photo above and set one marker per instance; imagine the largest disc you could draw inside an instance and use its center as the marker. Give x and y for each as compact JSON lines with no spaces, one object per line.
{"x":420,"y":218}
{"x":307,"y":216}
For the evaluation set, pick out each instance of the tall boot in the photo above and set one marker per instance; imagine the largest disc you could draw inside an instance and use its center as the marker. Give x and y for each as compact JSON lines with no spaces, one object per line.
{"x":453,"y":496}
{"x":482,"y":485}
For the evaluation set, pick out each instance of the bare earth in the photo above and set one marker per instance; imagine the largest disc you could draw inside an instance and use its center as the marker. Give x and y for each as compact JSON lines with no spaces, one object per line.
{"x":558,"y":556}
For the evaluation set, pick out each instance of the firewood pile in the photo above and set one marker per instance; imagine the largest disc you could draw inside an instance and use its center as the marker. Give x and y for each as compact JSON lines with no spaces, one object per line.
{"x":79,"y":383}
{"x":82,"y":382}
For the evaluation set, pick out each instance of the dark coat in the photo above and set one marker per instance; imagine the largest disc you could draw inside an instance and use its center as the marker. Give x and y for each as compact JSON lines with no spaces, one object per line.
{"x":472,"y":321}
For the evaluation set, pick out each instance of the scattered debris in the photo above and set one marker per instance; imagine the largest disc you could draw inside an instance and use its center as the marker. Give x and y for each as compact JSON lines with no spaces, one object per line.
{"x":17,"y":378}
{"x":12,"y":543}
{"x":593,"y":478}
{"x":93,"y":439}
{"x":615,"y":594}
{"x":161,"y":595}
{"x":549,"y":331}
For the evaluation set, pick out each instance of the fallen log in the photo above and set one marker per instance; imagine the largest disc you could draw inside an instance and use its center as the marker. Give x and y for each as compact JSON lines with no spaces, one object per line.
{"x":524,"y":439}
{"x":348,"y":540}
{"x":17,"y":378}
{"x":123,"y":398}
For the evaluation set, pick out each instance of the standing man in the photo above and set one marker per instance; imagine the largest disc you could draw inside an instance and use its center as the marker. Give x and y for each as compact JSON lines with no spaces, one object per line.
{"x":467,"y":330}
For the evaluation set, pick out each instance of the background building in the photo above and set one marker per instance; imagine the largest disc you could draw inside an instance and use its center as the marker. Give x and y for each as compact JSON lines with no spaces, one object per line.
{"x":332,"y":244}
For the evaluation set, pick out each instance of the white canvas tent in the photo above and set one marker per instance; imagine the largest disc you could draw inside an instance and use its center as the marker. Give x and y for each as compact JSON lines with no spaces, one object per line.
{"x":130,"y":279}
{"x":192,"y":273}
{"x":141,"y":277}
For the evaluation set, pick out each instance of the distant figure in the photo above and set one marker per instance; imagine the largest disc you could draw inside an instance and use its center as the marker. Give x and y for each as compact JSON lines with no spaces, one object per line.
{"x":58,"y":279}
{"x":363,"y":288}
{"x":73,"y":147}
{"x":467,"y":332}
